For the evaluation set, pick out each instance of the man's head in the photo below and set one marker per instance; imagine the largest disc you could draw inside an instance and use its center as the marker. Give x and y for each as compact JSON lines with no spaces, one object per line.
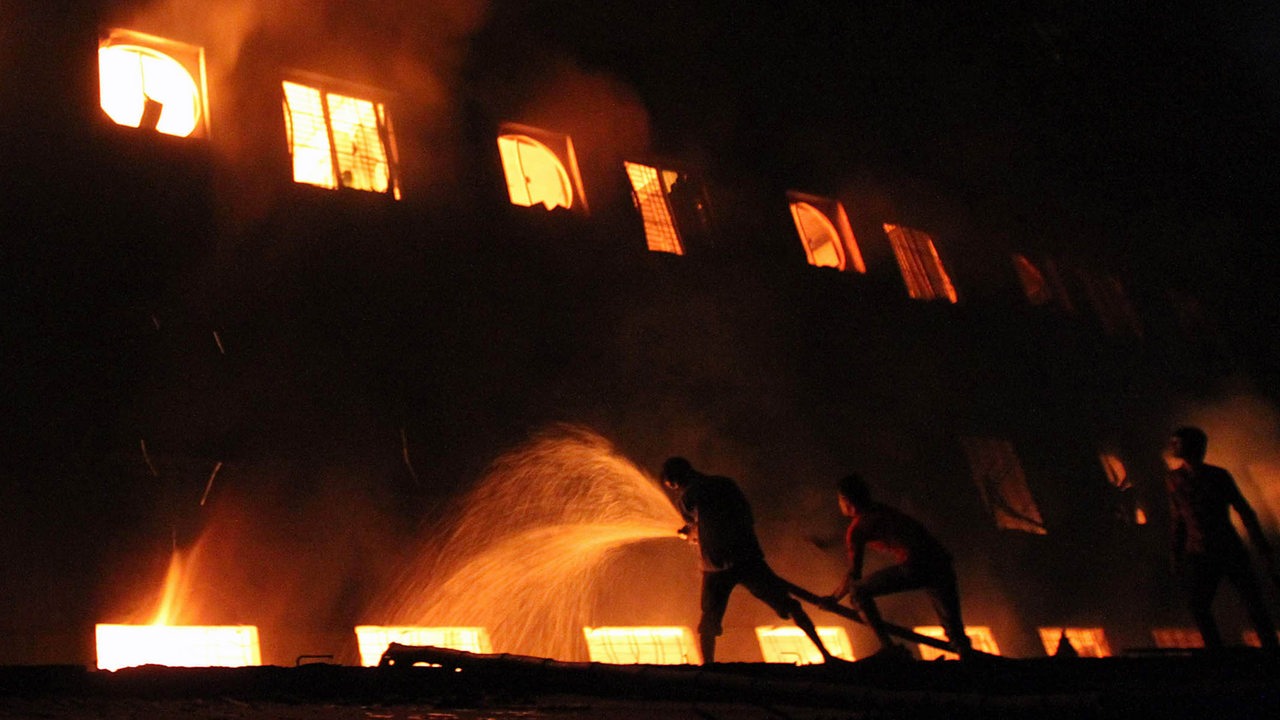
{"x":676,"y":472}
{"x":853,"y":493}
{"x":1189,"y":443}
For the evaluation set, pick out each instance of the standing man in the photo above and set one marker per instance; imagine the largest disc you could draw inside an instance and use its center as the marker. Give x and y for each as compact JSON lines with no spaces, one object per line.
{"x":1205,"y":545}
{"x":720,"y":518}
{"x":923,"y":564}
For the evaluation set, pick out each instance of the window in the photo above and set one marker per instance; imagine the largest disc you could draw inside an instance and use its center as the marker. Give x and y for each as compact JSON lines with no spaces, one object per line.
{"x":152,"y":83}
{"x":541,"y":168}
{"x":1033,"y":282}
{"x":1087,"y":642}
{"x":339,"y":141}
{"x":921,"y":266}
{"x":789,"y":644}
{"x":825,"y":232}
{"x":121,"y":646}
{"x":672,"y":205}
{"x":1177,"y":638}
{"x":373,"y":640}
{"x":642,"y":645}
{"x":1002,"y":484}
{"x":980,"y":636}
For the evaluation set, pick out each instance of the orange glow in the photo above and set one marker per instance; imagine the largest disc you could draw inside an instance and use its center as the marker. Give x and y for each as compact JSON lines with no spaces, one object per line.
{"x":121,"y":646}
{"x":534,"y":173}
{"x":1114,"y":468}
{"x":1250,"y":638}
{"x":1033,"y":282}
{"x":1088,"y":642}
{"x":979,"y":635}
{"x":821,"y":241}
{"x":164,"y":643}
{"x":789,"y":644}
{"x":1139,"y":516}
{"x":337,"y":140}
{"x":642,"y":645}
{"x":825,"y":232}
{"x":1176,"y":638}
{"x":140,"y":84}
{"x":374,"y":639}
{"x":921,"y":266}
{"x":571,"y":505}
{"x":650,"y":188}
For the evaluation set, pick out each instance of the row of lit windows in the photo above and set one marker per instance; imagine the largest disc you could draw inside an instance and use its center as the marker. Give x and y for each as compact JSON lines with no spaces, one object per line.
{"x":338,"y":140}
{"x":120,"y":646}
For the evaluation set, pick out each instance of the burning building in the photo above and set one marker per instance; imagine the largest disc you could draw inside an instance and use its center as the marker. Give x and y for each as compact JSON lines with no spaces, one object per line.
{"x":283,"y":279}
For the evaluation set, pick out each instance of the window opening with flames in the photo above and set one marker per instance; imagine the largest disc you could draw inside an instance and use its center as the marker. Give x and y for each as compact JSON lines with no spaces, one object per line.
{"x":541,"y":168}
{"x":789,"y":644}
{"x":921,"y":266}
{"x":980,"y":636}
{"x":339,"y":140}
{"x":373,"y":640}
{"x":644,"y":645}
{"x":152,"y":83}
{"x":672,"y":204}
{"x":825,"y":232}
{"x":1086,"y":641}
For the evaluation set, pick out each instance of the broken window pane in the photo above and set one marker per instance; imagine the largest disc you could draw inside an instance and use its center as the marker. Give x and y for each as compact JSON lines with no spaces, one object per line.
{"x":152,"y":83}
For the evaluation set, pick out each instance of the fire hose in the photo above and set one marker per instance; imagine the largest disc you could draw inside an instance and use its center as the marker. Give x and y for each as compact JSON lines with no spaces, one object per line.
{"x":823,"y":603}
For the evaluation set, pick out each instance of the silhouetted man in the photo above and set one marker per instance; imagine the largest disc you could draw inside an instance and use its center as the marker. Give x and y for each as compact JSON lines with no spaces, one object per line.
{"x":923,"y":564}
{"x":720,"y":519}
{"x":1205,"y":545}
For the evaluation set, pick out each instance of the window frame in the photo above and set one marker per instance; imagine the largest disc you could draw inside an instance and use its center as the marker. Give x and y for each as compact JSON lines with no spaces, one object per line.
{"x":379,"y":100}
{"x":187,"y":55}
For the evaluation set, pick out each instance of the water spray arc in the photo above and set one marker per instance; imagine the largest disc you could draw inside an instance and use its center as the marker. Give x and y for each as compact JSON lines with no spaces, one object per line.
{"x":530,"y":545}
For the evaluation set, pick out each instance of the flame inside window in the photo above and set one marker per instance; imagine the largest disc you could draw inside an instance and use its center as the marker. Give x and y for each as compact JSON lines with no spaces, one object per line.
{"x":821,"y":241}
{"x":374,"y":639}
{"x":920,"y":263}
{"x":825,"y":232}
{"x":338,"y":141}
{"x":1088,"y":642}
{"x":142,"y":86}
{"x":121,"y":646}
{"x":979,"y":635}
{"x":650,"y":187}
{"x":642,"y":645}
{"x":534,"y":174}
{"x":789,"y":644}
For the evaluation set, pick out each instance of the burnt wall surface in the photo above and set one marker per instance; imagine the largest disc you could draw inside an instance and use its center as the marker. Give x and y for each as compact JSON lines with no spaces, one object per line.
{"x":349,"y":362}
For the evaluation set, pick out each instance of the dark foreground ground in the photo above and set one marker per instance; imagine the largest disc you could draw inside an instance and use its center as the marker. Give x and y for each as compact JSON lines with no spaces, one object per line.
{"x":1242,"y":684}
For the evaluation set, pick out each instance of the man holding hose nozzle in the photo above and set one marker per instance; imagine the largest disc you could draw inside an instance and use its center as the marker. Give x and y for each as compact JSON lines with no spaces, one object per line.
{"x":720,"y":519}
